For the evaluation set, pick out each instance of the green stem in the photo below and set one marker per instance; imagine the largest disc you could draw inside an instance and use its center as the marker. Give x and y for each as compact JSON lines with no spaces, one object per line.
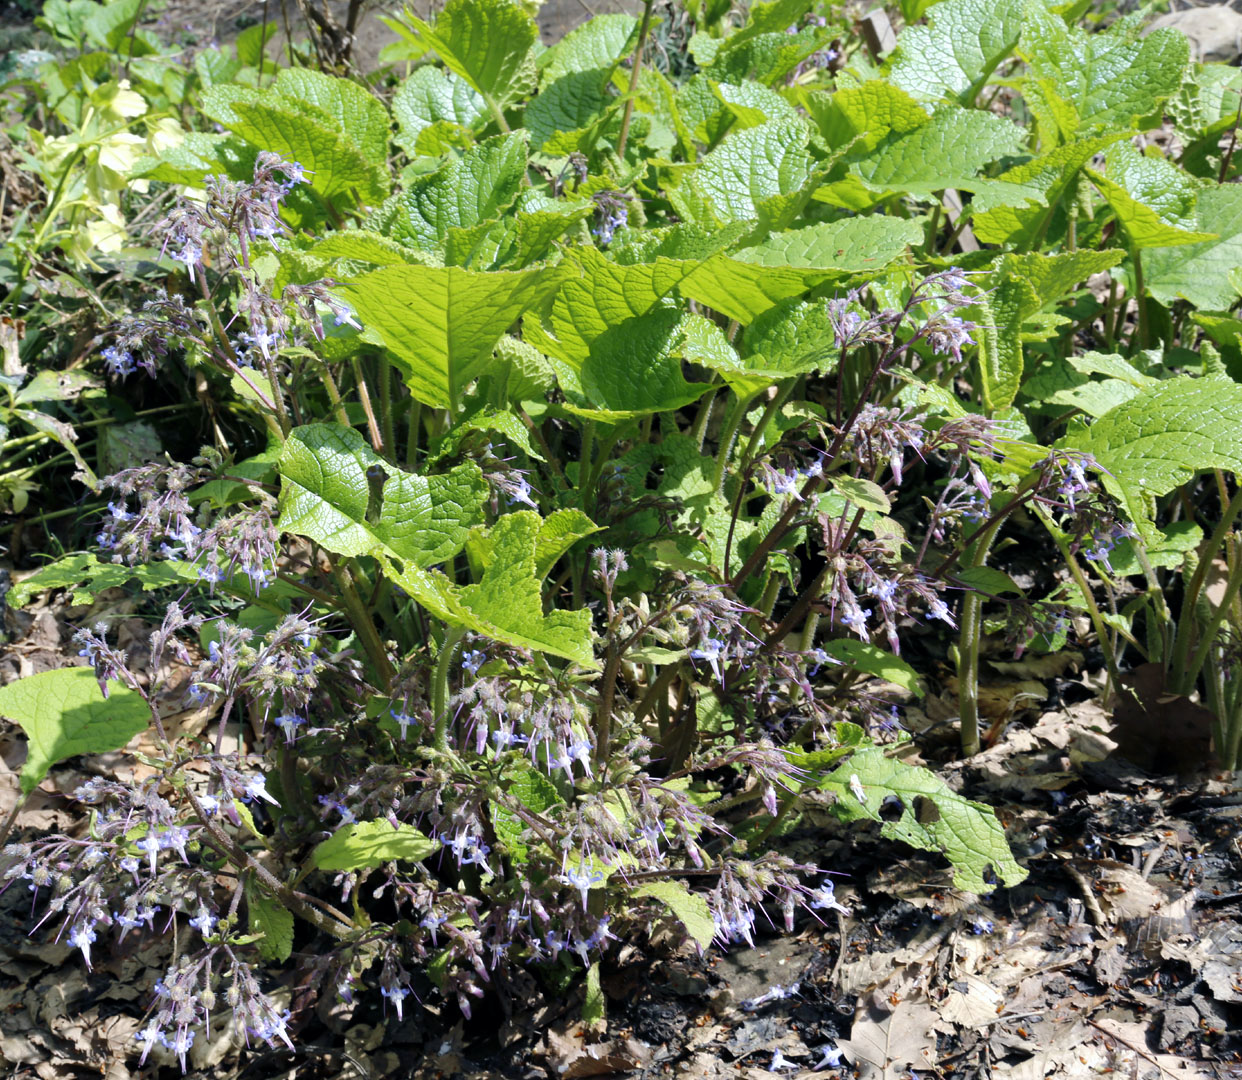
{"x":415,"y":424}
{"x":698,"y":430}
{"x":635,"y":67}
{"x":727,"y":437}
{"x":1207,"y":635}
{"x":364,"y":626}
{"x":1140,"y":297}
{"x":1178,"y":665}
{"x":968,"y":648}
{"x":385,"y":394}
{"x":440,"y":685}
{"x":773,"y":407}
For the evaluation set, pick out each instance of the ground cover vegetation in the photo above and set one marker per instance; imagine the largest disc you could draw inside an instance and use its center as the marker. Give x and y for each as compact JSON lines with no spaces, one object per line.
{"x":556,"y":471}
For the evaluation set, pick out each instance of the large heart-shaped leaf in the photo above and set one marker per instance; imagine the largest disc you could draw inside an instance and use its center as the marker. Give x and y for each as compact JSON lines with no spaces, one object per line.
{"x":440,"y":324}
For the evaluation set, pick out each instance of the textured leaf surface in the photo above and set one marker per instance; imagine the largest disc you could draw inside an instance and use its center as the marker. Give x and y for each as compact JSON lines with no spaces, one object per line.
{"x":489,"y":43}
{"x":431,"y":96}
{"x":862,"y":117}
{"x":465,"y":190}
{"x":745,"y":285}
{"x":1101,"y":80}
{"x":64,"y":713}
{"x":506,"y":604}
{"x":441,"y":323}
{"x":371,"y":844}
{"x":270,"y":918}
{"x":1051,"y":175}
{"x":596,"y":294}
{"x":87,"y":577}
{"x":571,"y":102}
{"x":1153,"y":199}
{"x":690,"y":909}
{"x":953,"y":55}
{"x":595,"y":45}
{"x":300,"y":132}
{"x":1163,"y":436}
{"x":754,"y":165}
{"x":324,"y":495}
{"x":358,"y":113}
{"x":965,"y":832}
{"x":951,"y":148}
{"x":1200,"y":272}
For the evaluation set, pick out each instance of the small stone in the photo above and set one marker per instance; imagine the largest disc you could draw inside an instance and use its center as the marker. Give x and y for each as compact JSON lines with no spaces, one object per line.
{"x":1178,"y":1022}
{"x":1215,"y":32}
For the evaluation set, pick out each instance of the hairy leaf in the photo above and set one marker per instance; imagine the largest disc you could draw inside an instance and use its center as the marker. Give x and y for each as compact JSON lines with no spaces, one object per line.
{"x":1201,"y":272}
{"x":690,"y":909}
{"x":953,"y":55}
{"x":270,"y":919}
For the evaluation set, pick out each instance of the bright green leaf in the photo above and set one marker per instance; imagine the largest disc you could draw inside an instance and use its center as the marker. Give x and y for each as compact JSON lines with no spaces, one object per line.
{"x":87,"y":577}
{"x":325,"y":496}
{"x":431,"y":96}
{"x":64,"y":714}
{"x":1200,"y":272}
{"x":506,"y":604}
{"x":871,"y":660}
{"x":489,"y":43}
{"x":1153,"y":199}
{"x":367,"y":844}
{"x":440,"y":324}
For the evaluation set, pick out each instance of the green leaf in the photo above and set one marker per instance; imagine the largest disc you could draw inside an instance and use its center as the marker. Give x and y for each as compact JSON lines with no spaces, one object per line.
{"x":357,"y":112}
{"x":960,"y":47}
{"x":1023,"y":227}
{"x":871,"y":660}
{"x":745,"y":285}
{"x":594,"y":1005}
{"x":862,"y":493}
{"x":595,"y":295}
{"x":986,"y":579}
{"x":301,"y":132}
{"x":535,"y":792}
{"x":364,"y":246}
{"x":87,"y":577}
{"x":570,"y":103}
{"x":431,"y":96}
{"x":325,"y":495}
{"x":272,"y":921}
{"x":506,"y":604}
{"x":440,"y":324}
{"x":947,"y":151}
{"x":792,"y":338}
{"x":489,"y":43}
{"x":370,"y":844}
{"x":464,"y":191}
{"x":1200,"y":272}
{"x":754,"y":166}
{"x":1162,"y":437}
{"x":1153,"y":199}
{"x":252,"y":42}
{"x":634,"y":369}
{"x":1089,"y":82}
{"x":558,"y":532}
{"x":1000,"y":341}
{"x":934,"y":817}
{"x":863,"y":117}
{"x":64,"y":713}
{"x":597,"y":45}
{"x":690,"y":909}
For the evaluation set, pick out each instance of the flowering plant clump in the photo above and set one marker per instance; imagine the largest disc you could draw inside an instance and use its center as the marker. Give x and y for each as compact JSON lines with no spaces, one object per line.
{"x":586,"y":466}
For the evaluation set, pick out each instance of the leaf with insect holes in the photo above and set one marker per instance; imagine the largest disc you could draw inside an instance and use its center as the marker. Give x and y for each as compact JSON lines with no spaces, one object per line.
{"x":932,"y":817}
{"x":64,"y":713}
{"x":325,"y":495}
